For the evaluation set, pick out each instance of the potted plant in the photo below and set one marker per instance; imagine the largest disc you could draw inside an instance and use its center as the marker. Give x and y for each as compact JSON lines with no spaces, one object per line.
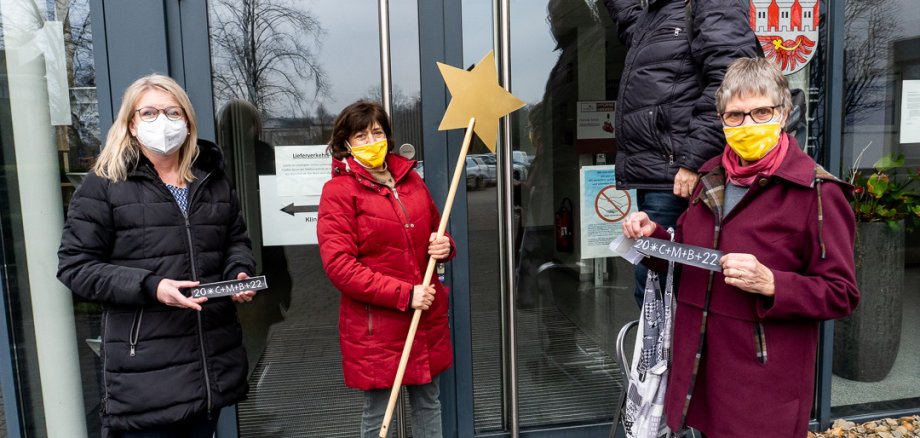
{"x":886,"y":203}
{"x":889,"y":194}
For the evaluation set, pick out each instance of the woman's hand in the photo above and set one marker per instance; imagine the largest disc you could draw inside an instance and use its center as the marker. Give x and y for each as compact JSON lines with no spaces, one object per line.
{"x":746,"y":273}
{"x":684,"y":182}
{"x":422,"y":297}
{"x":246,"y":295}
{"x":168,"y":293}
{"x":638,"y":225}
{"x":438,"y":248}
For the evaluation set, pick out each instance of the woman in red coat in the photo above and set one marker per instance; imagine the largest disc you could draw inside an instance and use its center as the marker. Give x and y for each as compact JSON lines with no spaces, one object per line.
{"x":786,"y":229}
{"x":377,"y":228}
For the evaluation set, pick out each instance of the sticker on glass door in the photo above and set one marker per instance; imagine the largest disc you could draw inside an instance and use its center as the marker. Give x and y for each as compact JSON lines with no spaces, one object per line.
{"x":289,"y":200}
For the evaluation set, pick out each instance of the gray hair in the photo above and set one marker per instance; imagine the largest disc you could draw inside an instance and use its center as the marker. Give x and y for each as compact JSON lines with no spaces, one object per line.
{"x":754,"y":77}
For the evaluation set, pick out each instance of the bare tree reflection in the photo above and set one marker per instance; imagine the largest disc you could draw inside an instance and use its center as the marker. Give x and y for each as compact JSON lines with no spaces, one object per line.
{"x":266,"y":52}
{"x":870,"y":28}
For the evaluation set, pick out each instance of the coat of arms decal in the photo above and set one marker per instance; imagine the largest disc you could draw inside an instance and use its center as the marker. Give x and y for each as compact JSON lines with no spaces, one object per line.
{"x":787,"y":31}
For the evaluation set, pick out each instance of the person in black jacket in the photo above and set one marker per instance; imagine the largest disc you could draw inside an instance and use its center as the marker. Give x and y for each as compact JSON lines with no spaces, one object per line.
{"x":666,"y":121}
{"x":157,"y":215}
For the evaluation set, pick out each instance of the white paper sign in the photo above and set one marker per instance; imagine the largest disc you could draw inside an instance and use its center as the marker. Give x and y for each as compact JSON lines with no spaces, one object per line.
{"x":50,"y":42}
{"x":595,"y":120}
{"x":603,"y":207}
{"x":286,"y":220}
{"x":910,"y":111}
{"x":302,"y":170}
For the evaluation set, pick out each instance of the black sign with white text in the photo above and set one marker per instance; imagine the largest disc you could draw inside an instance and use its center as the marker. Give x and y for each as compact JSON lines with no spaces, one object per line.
{"x":680,"y":253}
{"x":227,"y":288}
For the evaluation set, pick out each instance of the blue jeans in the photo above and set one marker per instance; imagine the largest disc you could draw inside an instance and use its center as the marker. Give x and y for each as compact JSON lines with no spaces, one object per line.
{"x":198,"y":426}
{"x":425,"y":407}
{"x":663,"y":208}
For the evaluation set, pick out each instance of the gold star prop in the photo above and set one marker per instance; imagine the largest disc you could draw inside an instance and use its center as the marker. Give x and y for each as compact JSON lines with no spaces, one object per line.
{"x":476,"y":94}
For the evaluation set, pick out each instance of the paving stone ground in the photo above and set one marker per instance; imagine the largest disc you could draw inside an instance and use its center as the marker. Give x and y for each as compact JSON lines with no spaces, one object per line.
{"x":903,"y":427}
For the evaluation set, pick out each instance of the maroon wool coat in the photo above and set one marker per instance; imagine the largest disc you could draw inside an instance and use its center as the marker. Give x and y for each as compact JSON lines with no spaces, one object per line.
{"x":374,"y":246}
{"x":738,"y":393}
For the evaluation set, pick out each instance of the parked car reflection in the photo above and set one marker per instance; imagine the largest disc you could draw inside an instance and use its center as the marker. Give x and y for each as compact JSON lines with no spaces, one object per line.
{"x":488,"y":170}
{"x":475,"y":175}
{"x":519,"y":166}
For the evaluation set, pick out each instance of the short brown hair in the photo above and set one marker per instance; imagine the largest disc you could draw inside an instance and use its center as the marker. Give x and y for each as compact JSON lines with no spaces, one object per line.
{"x":356,"y":117}
{"x":752,"y":77}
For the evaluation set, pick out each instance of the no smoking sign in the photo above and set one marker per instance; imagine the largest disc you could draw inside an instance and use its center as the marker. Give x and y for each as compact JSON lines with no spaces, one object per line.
{"x":611,"y":204}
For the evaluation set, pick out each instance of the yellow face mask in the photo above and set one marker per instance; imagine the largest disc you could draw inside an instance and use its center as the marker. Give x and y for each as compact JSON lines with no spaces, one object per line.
{"x":752,"y":142}
{"x":371,"y":155}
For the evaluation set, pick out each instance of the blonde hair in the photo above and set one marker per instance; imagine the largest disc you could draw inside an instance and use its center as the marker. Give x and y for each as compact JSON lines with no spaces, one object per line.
{"x":122,"y":150}
{"x":753,"y":77}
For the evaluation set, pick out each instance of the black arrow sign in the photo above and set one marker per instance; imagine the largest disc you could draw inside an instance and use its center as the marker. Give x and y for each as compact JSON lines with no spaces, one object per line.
{"x":291,"y":209}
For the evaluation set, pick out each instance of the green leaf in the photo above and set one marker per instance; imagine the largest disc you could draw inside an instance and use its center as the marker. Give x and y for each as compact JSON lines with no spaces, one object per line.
{"x":889,"y":161}
{"x":894,"y":225}
{"x":877,"y":185}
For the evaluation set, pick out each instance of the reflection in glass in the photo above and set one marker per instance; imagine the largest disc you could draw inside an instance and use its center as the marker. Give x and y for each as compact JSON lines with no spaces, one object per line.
{"x":78,"y":145}
{"x":281,"y":73}
{"x":881,"y":61}
{"x":567,"y":316}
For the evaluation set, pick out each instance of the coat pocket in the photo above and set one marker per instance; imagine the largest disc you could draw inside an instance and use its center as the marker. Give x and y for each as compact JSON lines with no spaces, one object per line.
{"x":760,"y":343}
{"x":135,"y":333}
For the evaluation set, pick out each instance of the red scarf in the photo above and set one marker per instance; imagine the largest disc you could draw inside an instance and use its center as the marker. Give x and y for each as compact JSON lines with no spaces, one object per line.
{"x":744,"y":175}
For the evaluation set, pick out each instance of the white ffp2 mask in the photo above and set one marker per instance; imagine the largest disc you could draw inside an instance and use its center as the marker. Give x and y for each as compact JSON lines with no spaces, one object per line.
{"x":162,"y":135}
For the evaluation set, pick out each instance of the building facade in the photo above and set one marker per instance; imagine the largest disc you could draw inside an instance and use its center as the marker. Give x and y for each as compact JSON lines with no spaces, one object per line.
{"x":534,"y":312}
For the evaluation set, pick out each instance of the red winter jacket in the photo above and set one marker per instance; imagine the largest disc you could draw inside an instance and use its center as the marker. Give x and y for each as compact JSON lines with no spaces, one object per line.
{"x":374,"y":246}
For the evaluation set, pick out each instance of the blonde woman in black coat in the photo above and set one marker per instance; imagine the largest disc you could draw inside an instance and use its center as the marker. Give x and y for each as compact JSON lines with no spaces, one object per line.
{"x":157,"y":215}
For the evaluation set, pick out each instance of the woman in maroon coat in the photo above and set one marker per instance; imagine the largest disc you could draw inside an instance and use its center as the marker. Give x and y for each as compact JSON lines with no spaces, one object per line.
{"x":377,"y":228}
{"x":786,"y":229}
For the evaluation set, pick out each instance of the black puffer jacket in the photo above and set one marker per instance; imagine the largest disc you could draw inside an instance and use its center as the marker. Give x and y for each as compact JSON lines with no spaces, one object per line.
{"x":665,"y":114}
{"x":161,"y":364}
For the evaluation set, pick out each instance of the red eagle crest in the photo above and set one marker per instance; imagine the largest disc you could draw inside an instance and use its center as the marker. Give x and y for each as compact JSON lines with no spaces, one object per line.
{"x":787,"y":53}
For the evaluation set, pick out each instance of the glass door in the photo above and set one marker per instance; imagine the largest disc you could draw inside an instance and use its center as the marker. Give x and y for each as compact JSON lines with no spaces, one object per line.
{"x":569,"y":304}
{"x":281,"y":73}
{"x":570,"y":300}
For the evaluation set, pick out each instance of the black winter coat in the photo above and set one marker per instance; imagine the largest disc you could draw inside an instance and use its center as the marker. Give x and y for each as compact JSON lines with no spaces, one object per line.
{"x":665,"y":113}
{"x":160,"y":364}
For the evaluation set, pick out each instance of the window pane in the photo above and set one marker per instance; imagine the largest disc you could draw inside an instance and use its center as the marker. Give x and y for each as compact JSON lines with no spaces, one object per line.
{"x":48,"y":104}
{"x":317,"y":58}
{"x":875,"y":350}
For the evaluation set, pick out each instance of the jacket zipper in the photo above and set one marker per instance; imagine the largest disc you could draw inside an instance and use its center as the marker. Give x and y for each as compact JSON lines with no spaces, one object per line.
{"x":665,"y":137}
{"x":401,"y":206}
{"x":105,"y":355}
{"x":405,"y":213}
{"x":135,"y":331}
{"x":191,"y":253}
{"x":406,"y":226}
{"x":665,"y":33}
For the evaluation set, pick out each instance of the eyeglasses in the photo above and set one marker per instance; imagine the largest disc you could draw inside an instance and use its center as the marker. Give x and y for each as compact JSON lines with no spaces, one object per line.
{"x":149,"y":113}
{"x":362,"y":137}
{"x":759,"y":115}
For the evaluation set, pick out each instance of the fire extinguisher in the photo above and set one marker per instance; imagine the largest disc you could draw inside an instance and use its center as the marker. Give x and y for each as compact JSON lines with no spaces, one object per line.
{"x":565,"y":241}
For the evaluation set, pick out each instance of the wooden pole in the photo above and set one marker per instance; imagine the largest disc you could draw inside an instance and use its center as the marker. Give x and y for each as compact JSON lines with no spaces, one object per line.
{"x":432,"y":263}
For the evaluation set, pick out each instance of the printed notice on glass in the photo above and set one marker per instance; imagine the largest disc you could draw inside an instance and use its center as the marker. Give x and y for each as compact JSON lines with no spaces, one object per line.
{"x":302,"y":170}
{"x":603,"y":207}
{"x":910,"y":111}
{"x":286,"y":220}
{"x":595,"y":120}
